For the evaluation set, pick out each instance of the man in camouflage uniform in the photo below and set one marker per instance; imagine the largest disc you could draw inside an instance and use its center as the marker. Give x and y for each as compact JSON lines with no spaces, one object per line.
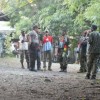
{"x":94,"y":52}
{"x":83,"y":51}
{"x":63,"y":51}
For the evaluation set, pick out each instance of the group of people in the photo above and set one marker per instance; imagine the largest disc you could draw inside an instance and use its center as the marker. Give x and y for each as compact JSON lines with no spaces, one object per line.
{"x":31,"y":45}
{"x":89,"y":52}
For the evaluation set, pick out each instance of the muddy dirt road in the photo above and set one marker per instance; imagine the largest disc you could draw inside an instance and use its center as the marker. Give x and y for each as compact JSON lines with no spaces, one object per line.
{"x":21,"y":84}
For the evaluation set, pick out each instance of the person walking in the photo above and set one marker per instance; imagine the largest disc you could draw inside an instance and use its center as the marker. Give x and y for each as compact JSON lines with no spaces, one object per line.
{"x":94,"y":53}
{"x":47,"y":47}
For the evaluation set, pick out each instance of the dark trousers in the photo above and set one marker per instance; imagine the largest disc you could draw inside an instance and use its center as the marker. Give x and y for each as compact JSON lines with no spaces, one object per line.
{"x":63,"y":59}
{"x":34,"y":55}
{"x":83,"y":62}
{"x":92,"y":64}
{"x":38,"y":60}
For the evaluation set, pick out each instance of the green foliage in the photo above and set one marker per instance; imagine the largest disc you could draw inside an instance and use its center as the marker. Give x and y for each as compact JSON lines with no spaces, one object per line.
{"x":24,"y":24}
{"x":93,"y":12}
{"x":7,"y":44}
{"x":54,"y":15}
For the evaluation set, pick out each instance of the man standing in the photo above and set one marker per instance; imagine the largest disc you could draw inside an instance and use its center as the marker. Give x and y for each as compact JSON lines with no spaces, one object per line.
{"x":82,"y":53}
{"x":94,"y":52}
{"x":34,"y":48}
{"x":83,"y":48}
{"x":47,"y":47}
{"x":63,"y":51}
{"x":23,"y":47}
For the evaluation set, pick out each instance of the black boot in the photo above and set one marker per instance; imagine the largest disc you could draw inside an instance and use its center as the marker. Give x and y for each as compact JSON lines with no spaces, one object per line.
{"x":49,"y":68}
{"x":93,"y":77}
{"x":28,"y":65}
{"x":87,"y":76}
{"x":61,"y":67}
{"x":65,"y":68}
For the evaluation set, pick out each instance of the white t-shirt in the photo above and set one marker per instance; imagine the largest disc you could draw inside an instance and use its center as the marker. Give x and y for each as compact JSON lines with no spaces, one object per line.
{"x":24,"y":45}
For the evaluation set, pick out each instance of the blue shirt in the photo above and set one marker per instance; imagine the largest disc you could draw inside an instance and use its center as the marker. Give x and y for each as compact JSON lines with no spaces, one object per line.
{"x":47,"y":46}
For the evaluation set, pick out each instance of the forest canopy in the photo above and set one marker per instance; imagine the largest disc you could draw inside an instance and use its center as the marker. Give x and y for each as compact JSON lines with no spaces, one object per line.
{"x":54,"y":15}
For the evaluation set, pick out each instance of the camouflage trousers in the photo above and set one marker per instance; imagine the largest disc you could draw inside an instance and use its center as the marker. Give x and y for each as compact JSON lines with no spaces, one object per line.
{"x":83,"y":62}
{"x":34,"y":55}
{"x":63,"y":60}
{"x":24,"y":54}
{"x":92,"y":64}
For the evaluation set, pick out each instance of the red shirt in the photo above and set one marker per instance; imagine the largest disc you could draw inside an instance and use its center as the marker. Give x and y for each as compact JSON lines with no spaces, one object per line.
{"x":47,"y":39}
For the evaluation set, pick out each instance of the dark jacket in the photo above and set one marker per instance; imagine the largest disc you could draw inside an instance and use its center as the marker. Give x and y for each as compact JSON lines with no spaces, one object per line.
{"x":94,"y":41}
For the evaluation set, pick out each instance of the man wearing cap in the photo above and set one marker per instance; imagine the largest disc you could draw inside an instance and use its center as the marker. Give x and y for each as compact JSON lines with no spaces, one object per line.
{"x":94,"y":53}
{"x":34,"y":48}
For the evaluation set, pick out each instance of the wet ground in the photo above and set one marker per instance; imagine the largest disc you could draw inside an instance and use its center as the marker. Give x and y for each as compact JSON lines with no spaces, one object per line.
{"x":21,"y":84}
